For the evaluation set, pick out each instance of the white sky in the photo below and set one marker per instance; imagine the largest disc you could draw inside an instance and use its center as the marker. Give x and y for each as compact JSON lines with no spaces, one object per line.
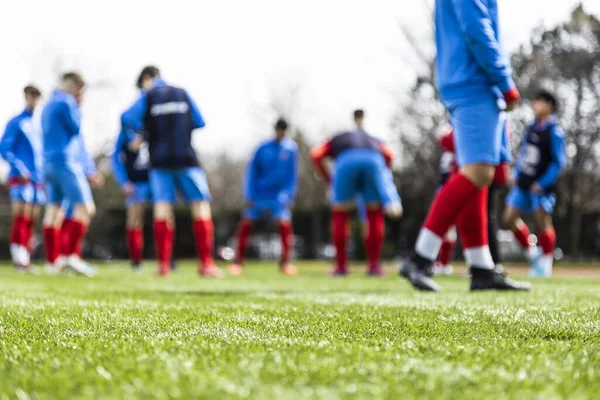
{"x":232,"y":56}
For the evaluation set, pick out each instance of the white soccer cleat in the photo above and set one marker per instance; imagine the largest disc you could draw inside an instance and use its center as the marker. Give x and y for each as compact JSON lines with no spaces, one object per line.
{"x":76,"y":264}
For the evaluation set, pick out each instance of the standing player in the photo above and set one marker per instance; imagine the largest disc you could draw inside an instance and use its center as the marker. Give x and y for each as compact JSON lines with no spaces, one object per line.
{"x":360,"y":165}
{"x":20,"y":146}
{"x":475,"y":85}
{"x":167,"y":115}
{"x":270,"y":188}
{"x":64,"y":176}
{"x":130,"y":169}
{"x":540,"y":161}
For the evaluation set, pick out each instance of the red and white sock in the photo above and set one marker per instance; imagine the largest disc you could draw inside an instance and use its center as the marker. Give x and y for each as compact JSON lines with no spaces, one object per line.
{"x":444,"y":211}
{"x":287,"y":240}
{"x":19,"y":240}
{"x":374,"y":237}
{"x":523,"y":235}
{"x":163,"y":238}
{"x":204,"y":231}
{"x":547,"y":243}
{"x":135,"y":244}
{"x":51,"y":243}
{"x":339,"y":233}
{"x":473,"y":231}
{"x":77,"y":231}
{"x":243,"y":235}
{"x":447,"y":249}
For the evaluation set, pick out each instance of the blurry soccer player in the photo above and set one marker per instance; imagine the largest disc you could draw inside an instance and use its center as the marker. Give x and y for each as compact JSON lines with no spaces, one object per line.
{"x":20,"y":146}
{"x":269,"y":190}
{"x":130,"y":169}
{"x":541,"y":159}
{"x":475,"y":85}
{"x":501,"y":178}
{"x":360,"y":165}
{"x":165,"y":117}
{"x":65,"y":179}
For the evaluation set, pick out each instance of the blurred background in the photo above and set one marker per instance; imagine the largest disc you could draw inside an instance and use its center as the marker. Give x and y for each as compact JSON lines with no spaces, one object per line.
{"x":312,"y":62}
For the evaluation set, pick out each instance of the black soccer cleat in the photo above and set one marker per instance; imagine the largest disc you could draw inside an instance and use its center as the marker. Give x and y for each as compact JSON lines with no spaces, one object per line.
{"x":487,"y":279}
{"x":419,"y":272}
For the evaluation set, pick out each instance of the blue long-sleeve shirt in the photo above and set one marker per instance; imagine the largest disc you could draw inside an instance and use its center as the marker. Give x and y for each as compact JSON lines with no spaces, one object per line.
{"x":20,"y":146}
{"x":133,"y":118}
{"x":61,"y":122}
{"x":272,"y":173}
{"x":558,"y":156}
{"x":117,"y":163}
{"x":470,"y":58}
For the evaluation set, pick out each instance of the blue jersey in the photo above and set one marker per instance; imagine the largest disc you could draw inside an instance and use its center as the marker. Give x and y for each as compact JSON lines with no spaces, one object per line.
{"x":167,"y":116}
{"x":128,"y":165}
{"x":61,"y":122}
{"x":542,"y":155}
{"x":353,"y":140}
{"x":20,"y":146}
{"x":272,"y":174}
{"x":470,"y":58}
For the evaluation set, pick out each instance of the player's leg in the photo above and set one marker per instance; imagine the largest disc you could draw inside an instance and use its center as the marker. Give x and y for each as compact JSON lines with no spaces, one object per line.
{"x":546,"y":232}
{"x":283,"y":217}
{"x":162,"y":185}
{"x":193,"y":185}
{"x":519,"y":202}
{"x":494,"y":227}
{"x":19,"y":238}
{"x":244,"y":229}
{"x":443,"y":266}
{"x":136,"y":207}
{"x":52,"y":220}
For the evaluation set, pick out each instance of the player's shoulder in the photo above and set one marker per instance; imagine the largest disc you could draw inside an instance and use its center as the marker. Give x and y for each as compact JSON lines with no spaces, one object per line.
{"x":289,"y":144}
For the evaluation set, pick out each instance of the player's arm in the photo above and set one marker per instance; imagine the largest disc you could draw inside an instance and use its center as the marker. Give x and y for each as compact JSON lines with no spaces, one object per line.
{"x":559,"y":159}
{"x":291,"y":184}
{"x":476,"y":24}
{"x":117,"y":164}
{"x":7,"y":144}
{"x":317,"y":156}
{"x":196,"y":115}
{"x":132,"y":120}
{"x":388,"y":154}
{"x":70,"y":116}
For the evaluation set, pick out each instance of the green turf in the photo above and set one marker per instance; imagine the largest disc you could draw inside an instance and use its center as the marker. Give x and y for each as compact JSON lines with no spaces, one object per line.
{"x":264,"y":336}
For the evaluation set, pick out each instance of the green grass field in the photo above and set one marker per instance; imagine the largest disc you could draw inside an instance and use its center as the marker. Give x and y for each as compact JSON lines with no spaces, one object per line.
{"x":263,"y":335}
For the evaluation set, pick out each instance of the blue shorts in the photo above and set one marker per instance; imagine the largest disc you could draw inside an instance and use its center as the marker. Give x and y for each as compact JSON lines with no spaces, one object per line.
{"x":478,"y":125}
{"x":530,"y":202}
{"x":66,"y":183}
{"x":390,"y":195}
{"x":29,"y":193}
{"x":141,"y":194}
{"x":190,"y":183}
{"x":362,"y":172}
{"x":268,"y":209}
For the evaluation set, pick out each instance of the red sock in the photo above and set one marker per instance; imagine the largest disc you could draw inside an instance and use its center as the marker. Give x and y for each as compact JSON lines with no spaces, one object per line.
{"x":243,"y":234}
{"x":449,"y":203}
{"x":51,"y":243}
{"x":375,"y":235}
{"x":16,"y":231}
{"x":77,"y":232}
{"x":287,"y":239}
{"x":204,"y":231}
{"x":163,"y":237}
{"x":547,"y":241}
{"x":64,"y":237}
{"x":446,"y":252}
{"x":522,"y":235}
{"x":27,"y":232}
{"x":339,"y":231}
{"x":472,"y":225}
{"x":135,"y":244}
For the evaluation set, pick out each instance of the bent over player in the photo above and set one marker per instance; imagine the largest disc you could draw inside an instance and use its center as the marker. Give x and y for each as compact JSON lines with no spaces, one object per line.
{"x":475,"y":85}
{"x":20,"y":146}
{"x":540,"y":161}
{"x":360,"y":164}
{"x":270,"y":188}
{"x":165,"y":116}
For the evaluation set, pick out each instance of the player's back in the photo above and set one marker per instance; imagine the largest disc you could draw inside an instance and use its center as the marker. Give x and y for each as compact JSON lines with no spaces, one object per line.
{"x":354,"y":140}
{"x":169,"y":124}
{"x":458,"y":73}
{"x":60,"y":123}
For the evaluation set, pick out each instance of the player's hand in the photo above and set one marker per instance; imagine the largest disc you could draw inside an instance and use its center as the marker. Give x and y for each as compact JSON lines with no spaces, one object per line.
{"x":536,"y":188}
{"x":128,"y":189}
{"x":512,"y":98}
{"x":394,"y":210}
{"x":136,"y":143}
{"x":97,"y":181}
